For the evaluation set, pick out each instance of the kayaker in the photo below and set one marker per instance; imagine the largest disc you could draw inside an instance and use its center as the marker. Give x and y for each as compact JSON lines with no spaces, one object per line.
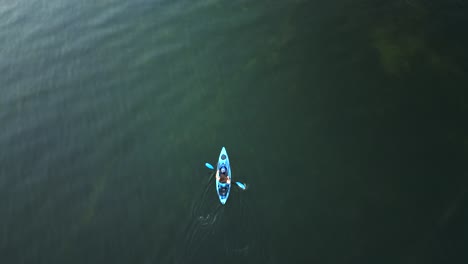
{"x":222,"y":176}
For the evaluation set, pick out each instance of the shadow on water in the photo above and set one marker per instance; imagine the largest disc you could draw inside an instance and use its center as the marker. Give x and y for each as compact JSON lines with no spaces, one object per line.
{"x":214,"y":232}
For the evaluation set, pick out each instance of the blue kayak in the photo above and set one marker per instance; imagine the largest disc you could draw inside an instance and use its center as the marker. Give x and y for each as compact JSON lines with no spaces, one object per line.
{"x":223,"y":189}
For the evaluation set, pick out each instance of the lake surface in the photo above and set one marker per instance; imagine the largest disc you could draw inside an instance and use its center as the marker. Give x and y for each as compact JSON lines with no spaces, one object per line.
{"x":346,"y":119}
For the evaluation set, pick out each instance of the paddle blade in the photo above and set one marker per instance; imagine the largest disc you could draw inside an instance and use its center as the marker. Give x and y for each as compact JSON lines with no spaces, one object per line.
{"x":209,"y":166}
{"x":241,"y":185}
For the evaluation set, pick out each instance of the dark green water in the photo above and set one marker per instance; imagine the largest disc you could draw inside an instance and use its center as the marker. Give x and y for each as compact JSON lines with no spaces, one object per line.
{"x":347,"y":120}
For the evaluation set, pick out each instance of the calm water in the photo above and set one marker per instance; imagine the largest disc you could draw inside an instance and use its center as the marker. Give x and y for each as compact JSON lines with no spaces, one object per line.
{"x":347,"y":119}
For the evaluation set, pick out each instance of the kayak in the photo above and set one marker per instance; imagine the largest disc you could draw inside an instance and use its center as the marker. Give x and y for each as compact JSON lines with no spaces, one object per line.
{"x":223,"y":189}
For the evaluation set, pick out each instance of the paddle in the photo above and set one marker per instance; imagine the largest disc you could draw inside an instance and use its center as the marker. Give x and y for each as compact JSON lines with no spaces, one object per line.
{"x":209,"y":166}
{"x":239,"y":184}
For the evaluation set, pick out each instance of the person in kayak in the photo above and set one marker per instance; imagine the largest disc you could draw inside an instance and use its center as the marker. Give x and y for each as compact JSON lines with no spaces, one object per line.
{"x":222,"y":176}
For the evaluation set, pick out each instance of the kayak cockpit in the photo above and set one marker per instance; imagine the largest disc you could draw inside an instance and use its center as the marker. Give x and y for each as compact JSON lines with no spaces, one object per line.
{"x":223,"y":190}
